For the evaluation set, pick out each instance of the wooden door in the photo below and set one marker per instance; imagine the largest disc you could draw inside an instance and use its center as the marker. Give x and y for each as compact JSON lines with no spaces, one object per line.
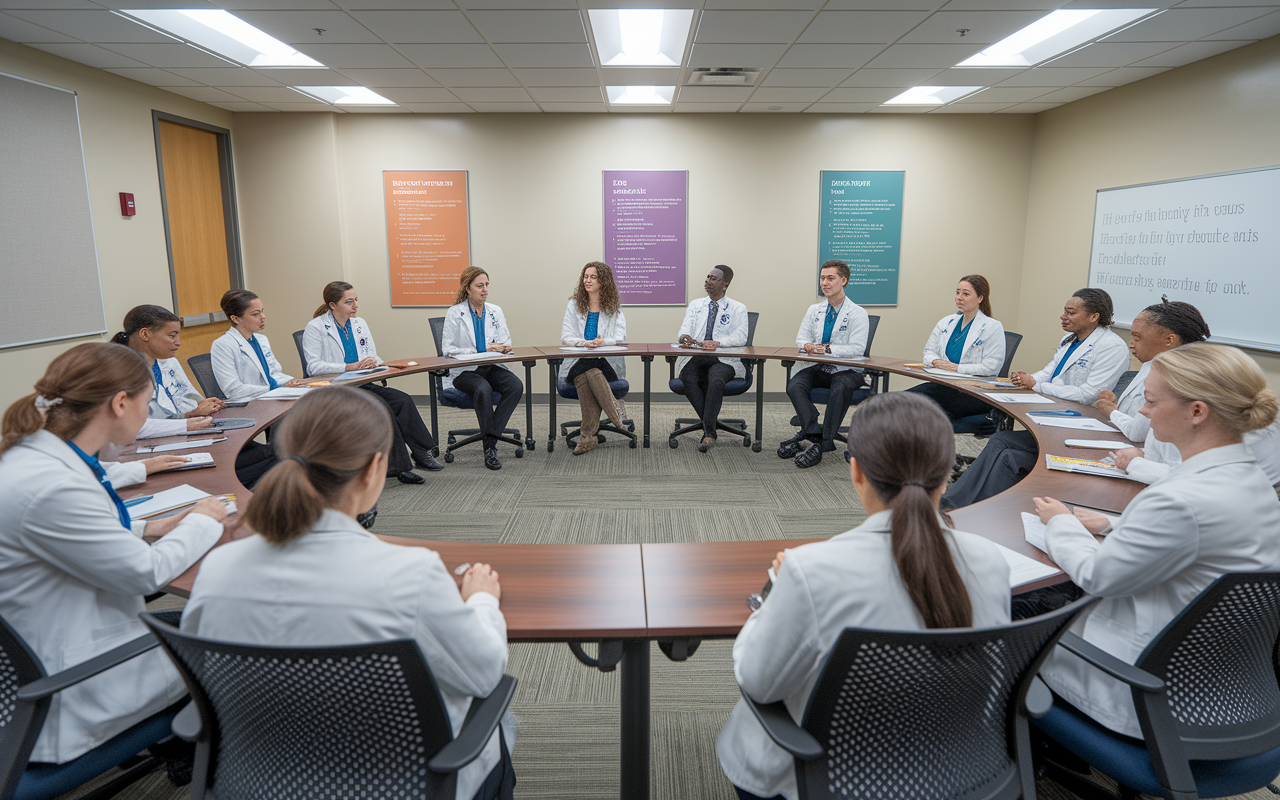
{"x":195,"y":210}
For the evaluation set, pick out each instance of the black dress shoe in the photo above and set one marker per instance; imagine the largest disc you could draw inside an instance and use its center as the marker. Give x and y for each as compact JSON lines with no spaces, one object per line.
{"x":427,"y":462}
{"x":366,"y":519}
{"x":809,"y":456}
{"x":790,"y":447}
{"x":409,"y":476}
{"x":491,"y":458}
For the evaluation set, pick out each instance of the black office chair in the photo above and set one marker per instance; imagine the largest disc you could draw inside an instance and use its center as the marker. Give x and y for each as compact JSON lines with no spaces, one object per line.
{"x":202,"y":368}
{"x":302,"y":357}
{"x":455,"y":398}
{"x":1123,"y":382}
{"x":357,"y":720}
{"x":820,"y":395}
{"x":1207,"y":699}
{"x":890,"y":702}
{"x":734,"y":387}
{"x":571,"y":430}
{"x":26,"y":693}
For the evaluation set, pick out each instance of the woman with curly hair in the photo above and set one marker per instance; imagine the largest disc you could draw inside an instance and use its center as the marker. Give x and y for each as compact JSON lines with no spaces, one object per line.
{"x":593,"y":319}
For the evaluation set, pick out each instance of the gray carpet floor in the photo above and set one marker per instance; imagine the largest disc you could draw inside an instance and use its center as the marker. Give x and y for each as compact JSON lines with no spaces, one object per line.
{"x":568,"y":745}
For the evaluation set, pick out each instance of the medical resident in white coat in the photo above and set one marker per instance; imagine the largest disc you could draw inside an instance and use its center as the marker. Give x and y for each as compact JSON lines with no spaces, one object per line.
{"x":243,"y":364}
{"x":336,"y":340}
{"x":1089,"y":359}
{"x":903,"y":450}
{"x":710,"y":323}
{"x":263,"y":589}
{"x":74,"y":567}
{"x":1214,"y":513}
{"x":593,"y":318}
{"x":474,"y":325}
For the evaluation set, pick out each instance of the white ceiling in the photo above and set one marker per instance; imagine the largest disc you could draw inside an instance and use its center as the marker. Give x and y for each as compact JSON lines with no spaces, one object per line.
{"x":822,"y":56}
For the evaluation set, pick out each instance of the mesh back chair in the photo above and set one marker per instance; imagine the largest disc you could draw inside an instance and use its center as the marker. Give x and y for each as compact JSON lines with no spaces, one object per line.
{"x":820,"y":395}
{"x":455,"y":398}
{"x":1207,"y":699}
{"x":202,"y":368}
{"x":302,"y":357}
{"x":25,"y":695}
{"x":734,"y":387}
{"x":308,"y":722}
{"x":1126,"y":378}
{"x":570,"y":430}
{"x":890,"y":702}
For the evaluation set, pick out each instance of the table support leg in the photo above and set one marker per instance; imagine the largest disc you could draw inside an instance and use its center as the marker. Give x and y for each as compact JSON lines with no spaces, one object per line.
{"x":552,"y":367}
{"x":435,"y":422}
{"x":648,"y":362}
{"x":755,"y":446}
{"x":634,"y":775}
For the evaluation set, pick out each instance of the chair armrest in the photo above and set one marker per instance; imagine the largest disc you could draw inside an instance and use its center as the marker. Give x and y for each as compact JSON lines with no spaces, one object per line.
{"x":187,"y":725}
{"x":481,"y":722}
{"x":52,"y":684}
{"x":1039,"y":699}
{"x":783,"y":730}
{"x":1137,"y":678}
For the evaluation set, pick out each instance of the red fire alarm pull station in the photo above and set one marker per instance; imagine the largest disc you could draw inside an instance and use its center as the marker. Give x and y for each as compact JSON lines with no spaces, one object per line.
{"x":127,"y":207}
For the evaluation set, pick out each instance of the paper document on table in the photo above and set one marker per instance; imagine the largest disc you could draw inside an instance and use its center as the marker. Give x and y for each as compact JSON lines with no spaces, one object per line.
{"x":608,"y":348}
{"x":1084,"y":466}
{"x":1012,"y":397}
{"x":478,"y":356}
{"x":285,"y":393}
{"x":1097,"y":444}
{"x":1025,"y":570}
{"x":1033,"y":530}
{"x":359,"y":373}
{"x":161,"y":502}
{"x":1079,"y":423}
{"x":730,"y":350}
{"x":194,"y":461}
{"x":164,"y":448}
{"x":946,"y":373}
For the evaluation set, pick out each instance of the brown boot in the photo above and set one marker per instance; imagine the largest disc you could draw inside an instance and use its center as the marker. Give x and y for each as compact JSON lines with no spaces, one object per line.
{"x":590,"y":414}
{"x":604,"y":396}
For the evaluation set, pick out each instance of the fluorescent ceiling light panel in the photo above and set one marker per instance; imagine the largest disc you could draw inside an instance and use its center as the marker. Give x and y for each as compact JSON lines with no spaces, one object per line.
{"x":346,"y":95}
{"x":640,"y":95}
{"x":640,"y":37}
{"x":931,"y":95}
{"x":225,"y":34}
{"x":1054,"y":35}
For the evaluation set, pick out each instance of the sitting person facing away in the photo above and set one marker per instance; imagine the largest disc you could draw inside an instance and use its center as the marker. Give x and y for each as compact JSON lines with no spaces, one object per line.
{"x":1212,"y":514}
{"x":593,"y":319}
{"x":904,"y":568}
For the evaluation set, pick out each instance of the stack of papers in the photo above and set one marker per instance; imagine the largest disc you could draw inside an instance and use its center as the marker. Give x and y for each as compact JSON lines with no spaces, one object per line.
{"x":1025,"y":570}
{"x":478,"y":356}
{"x":1098,"y":444}
{"x":1079,"y":423}
{"x":1009,"y":397}
{"x":194,"y":461}
{"x":169,"y":499}
{"x":359,"y":373}
{"x":1034,"y":530}
{"x":164,"y":448}
{"x":1080,"y":465}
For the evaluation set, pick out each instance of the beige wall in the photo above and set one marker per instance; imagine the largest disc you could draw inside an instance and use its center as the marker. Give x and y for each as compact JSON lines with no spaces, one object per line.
{"x":1215,"y":115}
{"x":120,"y":156}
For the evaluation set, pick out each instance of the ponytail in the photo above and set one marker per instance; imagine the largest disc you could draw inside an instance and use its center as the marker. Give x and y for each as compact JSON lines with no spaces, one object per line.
{"x":982,"y":288}
{"x":22,"y":418}
{"x":333,"y":292}
{"x":139,"y":317}
{"x":904,"y":445}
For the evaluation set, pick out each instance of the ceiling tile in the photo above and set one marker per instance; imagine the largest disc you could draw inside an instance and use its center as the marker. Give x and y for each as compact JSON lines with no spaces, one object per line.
{"x":414,"y":5}
{"x":567,"y":94}
{"x":884,"y":5}
{"x":1260,"y":28}
{"x":1029,"y":108}
{"x":738,"y":55}
{"x":314,"y":76}
{"x":545,"y":55}
{"x":92,"y":26}
{"x":506,"y":107}
{"x":753,"y":5}
{"x":1188,"y":53}
{"x":1070,"y":94}
{"x":861,"y":27}
{"x":451,"y":56}
{"x":364,"y":56}
{"x":840,"y":108}
{"x":273,"y":5}
{"x":266,"y":94}
{"x":496,"y":95}
{"x":69,"y":5}
{"x":714,"y":94}
{"x":829,"y":56}
{"x":168,"y":55}
{"x":439,"y":108}
{"x":904,"y":78}
{"x":775,"y":108}
{"x":1186,"y":24}
{"x":766,"y":94}
{"x":1217,"y":3}
{"x":474,"y":77}
{"x":377,"y":78}
{"x":1006,"y":94}
{"x":378,"y":110}
{"x":1110,"y":54}
{"x":207,"y":93}
{"x":19,"y":30}
{"x":1005,"y":5}
{"x":243,"y":107}
{"x":1048,"y":76}
{"x":707,"y":108}
{"x":971,"y":77}
{"x":89,"y":54}
{"x":402,"y":95}
{"x":985,"y":27}
{"x":558,"y":77}
{"x":575,"y":108}
{"x":528,"y":5}
{"x":924,"y":55}
{"x":530,"y":26}
{"x":751,"y":27}
{"x":298,"y":27}
{"x":153,"y":76}
{"x":860,"y":95}
{"x":1119,"y":77}
{"x":901,"y":110}
{"x":239,"y":76}
{"x":805,"y":77}
{"x":419,"y":26}
{"x":305,"y":106}
{"x":971,"y":108}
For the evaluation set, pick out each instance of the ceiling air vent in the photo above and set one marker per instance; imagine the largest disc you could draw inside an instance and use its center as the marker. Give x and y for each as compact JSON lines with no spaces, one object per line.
{"x":723,"y":76}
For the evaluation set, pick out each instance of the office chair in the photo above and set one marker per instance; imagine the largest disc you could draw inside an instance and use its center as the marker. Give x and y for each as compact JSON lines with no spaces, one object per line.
{"x":202,"y":368}
{"x":26,"y":693}
{"x":1123,"y":382}
{"x":734,"y":387}
{"x":889,"y":702}
{"x":356,"y":720}
{"x":455,"y":398}
{"x":1207,"y":699}
{"x":570,"y":430}
{"x":302,"y":357}
{"x":820,"y":395}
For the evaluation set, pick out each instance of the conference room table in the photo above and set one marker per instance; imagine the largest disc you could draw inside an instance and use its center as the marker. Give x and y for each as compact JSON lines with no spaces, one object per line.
{"x":625,"y":596}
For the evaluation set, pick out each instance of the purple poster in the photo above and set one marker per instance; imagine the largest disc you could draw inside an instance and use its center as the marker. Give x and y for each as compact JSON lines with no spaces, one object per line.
{"x":646,"y":224}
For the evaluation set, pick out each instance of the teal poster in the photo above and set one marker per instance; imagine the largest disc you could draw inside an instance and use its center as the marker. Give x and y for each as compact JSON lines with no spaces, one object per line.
{"x":861,"y":224}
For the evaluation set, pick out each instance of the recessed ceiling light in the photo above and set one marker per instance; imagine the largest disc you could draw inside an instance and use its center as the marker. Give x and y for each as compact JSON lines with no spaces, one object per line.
{"x":641,"y":95}
{"x":224,"y":34}
{"x":1052,"y":35}
{"x":931,"y":95}
{"x":345,"y":95}
{"x":640,"y":37}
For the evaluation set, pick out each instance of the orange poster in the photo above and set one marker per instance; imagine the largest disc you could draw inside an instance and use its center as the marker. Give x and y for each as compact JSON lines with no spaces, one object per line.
{"x":428,"y":234}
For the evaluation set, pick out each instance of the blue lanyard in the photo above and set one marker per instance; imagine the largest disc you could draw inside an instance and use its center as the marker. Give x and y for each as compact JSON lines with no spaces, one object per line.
{"x":477,"y":326}
{"x":101,"y":473}
{"x":1066,"y":357}
{"x":155,"y":372}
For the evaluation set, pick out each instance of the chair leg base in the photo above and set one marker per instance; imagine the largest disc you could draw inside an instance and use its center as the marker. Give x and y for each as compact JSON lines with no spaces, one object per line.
{"x":571,"y":430}
{"x":688,"y":425}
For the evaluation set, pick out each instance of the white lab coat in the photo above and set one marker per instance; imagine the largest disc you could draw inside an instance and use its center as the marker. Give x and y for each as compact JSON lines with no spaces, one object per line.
{"x":72,"y":581}
{"x":1159,"y":457}
{"x":1126,"y":417}
{"x":322,"y":344}
{"x":339,"y":584}
{"x":731,"y":328}
{"x":237,"y":368}
{"x":983,"y":352}
{"x":848,"y":337}
{"x":459,"y":335}
{"x":1095,"y":365}
{"x":610,"y":327}
{"x":851,"y":580}
{"x":166,"y":414}
{"x":1213,"y":514}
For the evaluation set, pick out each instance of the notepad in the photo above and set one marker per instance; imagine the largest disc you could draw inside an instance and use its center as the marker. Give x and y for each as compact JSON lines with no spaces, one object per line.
{"x":285,"y":393}
{"x":194,"y":461}
{"x":1078,"y":423}
{"x":1025,"y":570}
{"x":359,"y":373}
{"x":1097,"y":444}
{"x":1084,"y":466}
{"x":165,"y":448}
{"x":169,"y":499}
{"x":1033,"y":530}
{"x":478,"y":356}
{"x":1009,"y":397}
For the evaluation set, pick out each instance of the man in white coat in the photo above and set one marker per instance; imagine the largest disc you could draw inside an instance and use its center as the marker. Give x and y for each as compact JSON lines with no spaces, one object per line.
{"x":711,"y":322}
{"x":838,"y":327}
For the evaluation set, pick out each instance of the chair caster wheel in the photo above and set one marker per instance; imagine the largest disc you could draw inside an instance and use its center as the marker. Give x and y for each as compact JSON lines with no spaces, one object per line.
{"x":746,"y":443}
{"x":448,"y":458}
{"x":631,"y":426}
{"x":530,"y":445}
{"x":519,"y":452}
{"x":755,"y":447}
{"x":633,"y":444}
{"x":551,"y":446}
{"x":453,"y":439}
{"x":673,"y":444}
{"x":599,"y":438}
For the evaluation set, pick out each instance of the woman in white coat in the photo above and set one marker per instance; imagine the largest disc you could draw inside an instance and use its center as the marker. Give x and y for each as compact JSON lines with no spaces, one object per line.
{"x":1214,"y":513}
{"x":902,"y":451}
{"x":474,"y":325}
{"x":156,"y":333}
{"x":74,"y":566}
{"x":336,"y":340}
{"x":243,"y":364}
{"x":969,"y":342}
{"x":262,"y":589}
{"x":593,"y":319}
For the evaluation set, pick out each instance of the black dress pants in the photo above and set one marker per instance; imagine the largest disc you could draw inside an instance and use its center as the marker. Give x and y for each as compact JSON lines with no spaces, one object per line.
{"x":1007,"y":458}
{"x":410,"y":436}
{"x":954,"y":402}
{"x":481,"y":383}
{"x":704,"y":378}
{"x":842,"y":385}
{"x":253,"y":462}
